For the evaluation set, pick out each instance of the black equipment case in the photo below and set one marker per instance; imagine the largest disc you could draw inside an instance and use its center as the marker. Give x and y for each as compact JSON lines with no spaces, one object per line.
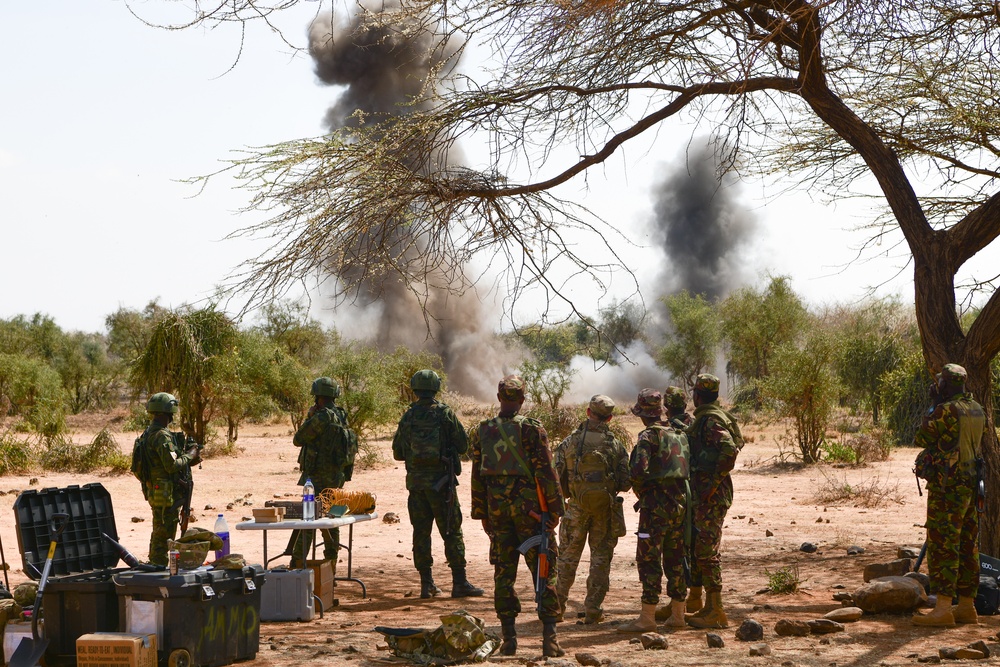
{"x":80,"y":595}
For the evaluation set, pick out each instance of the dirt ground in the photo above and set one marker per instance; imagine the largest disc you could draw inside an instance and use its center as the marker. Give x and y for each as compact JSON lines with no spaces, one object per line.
{"x":769,"y":497}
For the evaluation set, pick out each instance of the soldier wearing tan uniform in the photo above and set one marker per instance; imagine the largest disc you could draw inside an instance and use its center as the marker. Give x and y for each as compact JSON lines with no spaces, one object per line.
{"x":592,"y":466}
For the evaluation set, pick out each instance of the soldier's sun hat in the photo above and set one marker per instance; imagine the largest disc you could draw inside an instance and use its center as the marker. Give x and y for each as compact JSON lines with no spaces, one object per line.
{"x":954,"y":375}
{"x":648,"y":404}
{"x":674,"y":398}
{"x":511,"y":388}
{"x":602,"y":406}
{"x":707,"y":382}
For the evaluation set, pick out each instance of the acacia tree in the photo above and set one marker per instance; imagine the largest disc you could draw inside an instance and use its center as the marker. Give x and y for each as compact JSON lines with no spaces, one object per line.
{"x":840,"y":94}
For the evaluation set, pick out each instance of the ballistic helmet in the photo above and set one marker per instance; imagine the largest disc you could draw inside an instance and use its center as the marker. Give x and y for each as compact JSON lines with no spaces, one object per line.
{"x":162,"y":402}
{"x":325,"y":386}
{"x":425,"y":382}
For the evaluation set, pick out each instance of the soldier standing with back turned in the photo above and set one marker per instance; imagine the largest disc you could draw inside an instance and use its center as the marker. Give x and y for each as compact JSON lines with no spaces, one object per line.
{"x":951,"y":438}
{"x":592,"y":466}
{"x":511,"y":474}
{"x":431,"y":439}
{"x":715,"y":441}
{"x":159,"y":462}
{"x":327,"y":450}
{"x":659,"y":469}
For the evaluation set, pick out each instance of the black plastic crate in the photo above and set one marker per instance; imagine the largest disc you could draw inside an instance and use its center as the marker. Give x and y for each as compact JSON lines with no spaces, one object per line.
{"x":81,"y":548}
{"x":212,"y":616}
{"x":80,"y":596}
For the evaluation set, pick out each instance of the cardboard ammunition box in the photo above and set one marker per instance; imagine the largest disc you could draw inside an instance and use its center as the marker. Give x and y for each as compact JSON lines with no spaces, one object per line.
{"x":323,"y":581}
{"x":116,"y":649}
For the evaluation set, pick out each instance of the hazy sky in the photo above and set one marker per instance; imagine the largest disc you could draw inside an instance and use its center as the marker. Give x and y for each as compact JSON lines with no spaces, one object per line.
{"x":102,"y":116}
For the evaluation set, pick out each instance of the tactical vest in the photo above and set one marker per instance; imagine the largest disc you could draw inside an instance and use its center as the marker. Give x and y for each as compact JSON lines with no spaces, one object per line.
{"x":502,"y":451}
{"x":971,"y":422}
{"x":673,"y":456}
{"x":707,"y":458}
{"x":427,"y":436}
{"x":591,"y":469}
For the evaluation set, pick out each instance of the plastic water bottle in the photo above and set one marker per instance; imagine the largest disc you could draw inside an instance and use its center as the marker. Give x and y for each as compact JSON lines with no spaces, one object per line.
{"x":222,"y":530}
{"x":308,"y":501}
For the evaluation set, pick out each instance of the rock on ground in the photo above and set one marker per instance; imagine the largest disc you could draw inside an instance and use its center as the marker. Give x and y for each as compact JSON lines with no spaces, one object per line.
{"x":845,"y":614}
{"x":750,"y":631}
{"x":791,"y":628}
{"x":889,"y":595}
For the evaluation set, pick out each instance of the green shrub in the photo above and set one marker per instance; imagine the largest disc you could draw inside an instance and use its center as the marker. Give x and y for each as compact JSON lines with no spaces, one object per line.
{"x":904,"y":392}
{"x":803,"y":386}
{"x":32,"y":390}
{"x":59,"y":453}
{"x":558,"y":422}
{"x":15,"y":454}
{"x":783,"y":580}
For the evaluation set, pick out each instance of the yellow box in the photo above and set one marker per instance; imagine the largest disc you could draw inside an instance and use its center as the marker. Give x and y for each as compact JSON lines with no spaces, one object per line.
{"x":116,"y":649}
{"x":323,"y":581}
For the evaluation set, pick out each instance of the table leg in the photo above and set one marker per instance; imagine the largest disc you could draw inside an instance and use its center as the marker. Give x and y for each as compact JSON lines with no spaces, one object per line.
{"x":350,"y":556}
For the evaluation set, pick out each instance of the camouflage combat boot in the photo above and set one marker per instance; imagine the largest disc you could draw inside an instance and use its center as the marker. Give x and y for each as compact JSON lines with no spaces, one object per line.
{"x":509,"y":646}
{"x":427,"y":587}
{"x":965,"y":610}
{"x":712,"y":616}
{"x":550,"y":646}
{"x":460,"y":586}
{"x":940,"y":617}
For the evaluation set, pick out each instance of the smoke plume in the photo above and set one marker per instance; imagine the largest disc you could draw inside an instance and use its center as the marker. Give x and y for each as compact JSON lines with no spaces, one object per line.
{"x":383,"y":66}
{"x":700,"y":229}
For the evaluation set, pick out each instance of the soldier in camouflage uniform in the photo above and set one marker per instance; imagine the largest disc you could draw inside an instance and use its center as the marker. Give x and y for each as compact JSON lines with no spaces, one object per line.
{"x":327,"y":447}
{"x":675,"y":403}
{"x":715,"y":441}
{"x":659,"y":471}
{"x":951,"y":438}
{"x":592,"y":466}
{"x":431,"y":440}
{"x":511,"y":472}
{"x":159,"y":463}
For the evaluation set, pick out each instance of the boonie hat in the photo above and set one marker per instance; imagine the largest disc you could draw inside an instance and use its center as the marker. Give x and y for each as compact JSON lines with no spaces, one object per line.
{"x":648,"y":404}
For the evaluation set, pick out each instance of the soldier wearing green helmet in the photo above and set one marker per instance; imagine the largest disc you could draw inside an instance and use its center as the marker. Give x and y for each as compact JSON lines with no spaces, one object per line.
{"x":327,"y":448}
{"x":715,"y":441}
{"x":160,"y":463}
{"x":431,"y":440}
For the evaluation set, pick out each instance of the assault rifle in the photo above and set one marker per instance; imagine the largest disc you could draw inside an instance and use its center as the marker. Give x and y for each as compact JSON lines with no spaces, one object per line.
{"x":449,"y":480}
{"x":447,"y":484}
{"x":186,"y":479}
{"x":541,"y":540}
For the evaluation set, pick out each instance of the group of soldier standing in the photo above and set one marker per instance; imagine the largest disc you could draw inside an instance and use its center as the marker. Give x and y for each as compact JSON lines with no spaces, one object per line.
{"x":679,"y":471}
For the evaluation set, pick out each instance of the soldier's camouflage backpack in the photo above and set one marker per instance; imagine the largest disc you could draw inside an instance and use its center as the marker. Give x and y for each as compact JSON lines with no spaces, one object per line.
{"x":350,"y":439}
{"x":427,"y":436}
{"x":674,"y":461}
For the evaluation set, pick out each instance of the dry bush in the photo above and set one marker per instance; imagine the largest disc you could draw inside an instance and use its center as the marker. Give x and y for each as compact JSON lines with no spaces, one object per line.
{"x":871,"y":492}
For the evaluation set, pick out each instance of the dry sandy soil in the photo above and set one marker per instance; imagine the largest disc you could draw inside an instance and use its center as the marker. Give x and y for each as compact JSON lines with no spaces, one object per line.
{"x":769,"y":497}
